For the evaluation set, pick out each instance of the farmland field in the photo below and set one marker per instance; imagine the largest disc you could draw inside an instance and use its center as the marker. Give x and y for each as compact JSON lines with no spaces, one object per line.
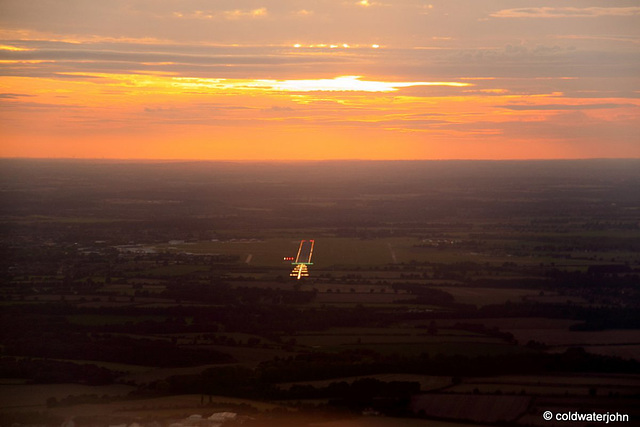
{"x":477,"y":408}
{"x":318,"y":341}
{"x":270,"y":252}
{"x":427,"y":382}
{"x":139,"y":291}
{"x":385,"y":422}
{"x":16,"y":396}
{"x":485,"y":296}
{"x":438,"y":348}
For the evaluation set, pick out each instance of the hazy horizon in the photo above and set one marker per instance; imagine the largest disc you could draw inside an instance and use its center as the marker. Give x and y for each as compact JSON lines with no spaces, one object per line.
{"x":337,"y":160}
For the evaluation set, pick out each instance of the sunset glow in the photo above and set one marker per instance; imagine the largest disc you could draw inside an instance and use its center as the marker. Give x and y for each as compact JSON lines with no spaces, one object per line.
{"x":177,"y":80}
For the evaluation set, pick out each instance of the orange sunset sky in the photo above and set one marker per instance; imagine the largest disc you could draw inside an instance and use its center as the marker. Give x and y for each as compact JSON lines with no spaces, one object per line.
{"x":320,"y":79}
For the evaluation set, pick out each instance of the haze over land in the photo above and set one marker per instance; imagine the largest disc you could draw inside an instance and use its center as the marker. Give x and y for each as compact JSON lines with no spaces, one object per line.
{"x":482,"y":292}
{"x":406,"y":79}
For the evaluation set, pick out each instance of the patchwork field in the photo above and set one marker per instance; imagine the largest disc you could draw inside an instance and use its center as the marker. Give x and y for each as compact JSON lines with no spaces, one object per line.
{"x":166,"y":284}
{"x":392,"y":337}
{"x":382,"y":422}
{"x":270,"y":252}
{"x":29,"y":396}
{"x":427,"y":382}
{"x":474,"y":408}
{"x":486,"y":296}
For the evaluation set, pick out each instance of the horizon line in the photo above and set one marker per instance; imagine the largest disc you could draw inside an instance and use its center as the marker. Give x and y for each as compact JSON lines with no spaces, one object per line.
{"x":190,"y":160}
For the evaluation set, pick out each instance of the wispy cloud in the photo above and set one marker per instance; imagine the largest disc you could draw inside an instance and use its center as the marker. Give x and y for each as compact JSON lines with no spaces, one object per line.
{"x":12,"y":48}
{"x":337,"y":84}
{"x":565,"y":107}
{"x":240,"y":14}
{"x":566,"y":12}
{"x":13,"y":95}
{"x":233,"y":14}
{"x":348,"y":83}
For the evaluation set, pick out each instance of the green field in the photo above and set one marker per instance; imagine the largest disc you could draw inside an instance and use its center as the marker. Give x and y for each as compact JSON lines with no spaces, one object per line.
{"x":468,"y":348}
{"x":263,"y":252}
{"x":427,"y":382}
{"x":369,"y":340}
{"x":336,"y":252}
{"x":486,"y":296}
{"x":171,"y":270}
{"x":576,"y":385}
{"x":100,"y":320}
{"x":328,"y":251}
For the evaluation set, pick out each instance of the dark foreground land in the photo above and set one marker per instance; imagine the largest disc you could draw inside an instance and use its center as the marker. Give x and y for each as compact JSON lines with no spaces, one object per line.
{"x":442,"y":293}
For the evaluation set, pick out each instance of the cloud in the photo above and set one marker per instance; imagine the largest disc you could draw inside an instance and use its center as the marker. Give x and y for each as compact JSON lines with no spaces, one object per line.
{"x":566,"y":12}
{"x":13,"y":95}
{"x":336,"y":84}
{"x":240,"y":14}
{"x":231,"y":15}
{"x":569,"y":107}
{"x":11,"y":47}
{"x":590,"y":38}
{"x":210,"y":57}
{"x":303,"y":13}
{"x":596,"y":71}
{"x":371,"y":3}
{"x":576,"y":127}
{"x":349,"y":83}
{"x":176,"y":59}
{"x":277,"y":108}
{"x":38,"y":106}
